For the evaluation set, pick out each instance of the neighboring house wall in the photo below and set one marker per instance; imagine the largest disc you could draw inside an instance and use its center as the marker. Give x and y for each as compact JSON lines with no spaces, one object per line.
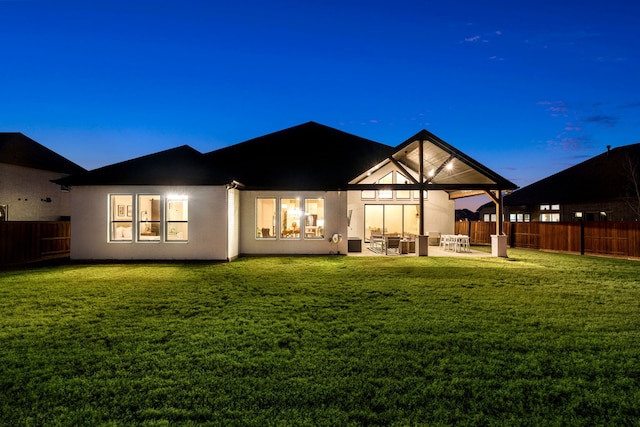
{"x":207,"y":225}
{"x":612,"y":210}
{"x":335,"y":221}
{"x":30,"y":195}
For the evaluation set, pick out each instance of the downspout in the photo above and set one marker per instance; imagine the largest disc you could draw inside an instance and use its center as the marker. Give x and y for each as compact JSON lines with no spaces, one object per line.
{"x":226,"y":243}
{"x":229,"y":187}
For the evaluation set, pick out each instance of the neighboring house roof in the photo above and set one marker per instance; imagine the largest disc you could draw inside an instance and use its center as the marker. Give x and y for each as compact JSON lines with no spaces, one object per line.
{"x":20,"y":150}
{"x":603,"y":177}
{"x":309,"y":156}
{"x":177,"y":166}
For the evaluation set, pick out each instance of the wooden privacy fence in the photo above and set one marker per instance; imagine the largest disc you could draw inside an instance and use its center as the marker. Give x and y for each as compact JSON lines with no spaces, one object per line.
{"x":620,"y":239}
{"x":30,"y":241}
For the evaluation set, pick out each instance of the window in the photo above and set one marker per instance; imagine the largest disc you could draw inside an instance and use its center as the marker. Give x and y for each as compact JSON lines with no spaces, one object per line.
{"x":149,"y":217}
{"x":545,"y":207}
{"x":402,"y":194}
{"x":550,"y":217}
{"x":411,"y":219}
{"x":386,"y":194}
{"x":416,"y":194}
{"x":489,"y":217}
{"x":290,"y":215}
{"x":314,"y":218}
{"x":368,"y":194}
{"x":265,"y":218}
{"x":177,"y":218}
{"x":121,"y":222}
{"x":518,"y":217}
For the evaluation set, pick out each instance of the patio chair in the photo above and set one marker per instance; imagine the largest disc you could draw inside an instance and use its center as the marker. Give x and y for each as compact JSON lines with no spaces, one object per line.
{"x":376,"y":243}
{"x":392,"y":244}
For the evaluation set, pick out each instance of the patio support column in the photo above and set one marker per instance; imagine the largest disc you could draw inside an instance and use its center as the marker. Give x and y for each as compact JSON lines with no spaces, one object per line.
{"x":498,"y":240}
{"x":421,"y":176}
{"x":500,"y":214}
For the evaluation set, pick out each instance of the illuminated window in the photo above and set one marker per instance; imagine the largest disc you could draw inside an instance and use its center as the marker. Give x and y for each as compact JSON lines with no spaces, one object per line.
{"x":290,"y":216}
{"x":416,"y":194}
{"x":385,"y":194}
{"x":489,"y":217}
{"x":402,"y":194}
{"x":368,"y":194}
{"x":550,"y":217}
{"x":121,"y":209}
{"x":266,"y":218}
{"x":387,"y":179}
{"x":177,"y":218}
{"x":149,"y":217}
{"x":518,"y":217}
{"x":314,"y":218}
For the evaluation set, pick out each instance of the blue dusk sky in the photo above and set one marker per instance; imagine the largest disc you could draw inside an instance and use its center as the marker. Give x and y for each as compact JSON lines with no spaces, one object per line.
{"x":527,"y":88}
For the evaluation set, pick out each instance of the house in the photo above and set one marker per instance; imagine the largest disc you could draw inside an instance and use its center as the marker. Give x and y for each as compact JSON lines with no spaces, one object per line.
{"x":307,"y":189}
{"x":603,"y":188}
{"x":26,"y":171}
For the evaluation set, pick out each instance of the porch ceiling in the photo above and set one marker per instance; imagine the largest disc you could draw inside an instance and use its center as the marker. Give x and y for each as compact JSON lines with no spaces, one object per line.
{"x":443,"y":168}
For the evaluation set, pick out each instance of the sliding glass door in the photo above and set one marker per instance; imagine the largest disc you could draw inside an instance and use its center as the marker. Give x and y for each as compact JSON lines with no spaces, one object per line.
{"x":399,"y":220}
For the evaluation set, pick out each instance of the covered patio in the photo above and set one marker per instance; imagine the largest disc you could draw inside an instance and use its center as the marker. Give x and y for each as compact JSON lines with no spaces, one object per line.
{"x":429,"y":164}
{"x":433,"y":251}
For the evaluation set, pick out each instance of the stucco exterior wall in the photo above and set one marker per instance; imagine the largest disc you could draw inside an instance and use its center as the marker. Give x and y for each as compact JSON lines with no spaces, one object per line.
{"x":31,"y":196}
{"x":208,"y":237}
{"x":335,"y":222}
{"x":439,"y":213}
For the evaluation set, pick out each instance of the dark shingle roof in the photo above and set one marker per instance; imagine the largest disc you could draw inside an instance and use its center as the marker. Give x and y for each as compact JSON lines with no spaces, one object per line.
{"x":309,"y":156}
{"x":178,"y":166}
{"x":604,"y":177}
{"x":20,"y":150}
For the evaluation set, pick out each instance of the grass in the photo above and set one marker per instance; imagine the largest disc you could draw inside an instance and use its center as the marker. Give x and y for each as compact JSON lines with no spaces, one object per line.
{"x":536,"y":339}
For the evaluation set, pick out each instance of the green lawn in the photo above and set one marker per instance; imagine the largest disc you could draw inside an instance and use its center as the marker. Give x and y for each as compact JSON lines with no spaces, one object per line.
{"x":537,"y":339}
